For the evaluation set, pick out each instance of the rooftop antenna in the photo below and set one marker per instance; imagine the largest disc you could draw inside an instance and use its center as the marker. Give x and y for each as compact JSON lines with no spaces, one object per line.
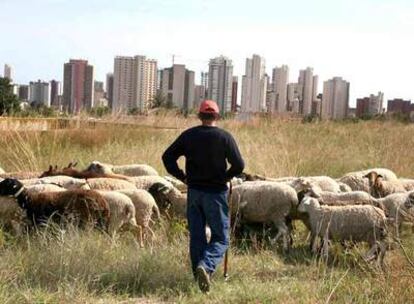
{"x":174,"y":57}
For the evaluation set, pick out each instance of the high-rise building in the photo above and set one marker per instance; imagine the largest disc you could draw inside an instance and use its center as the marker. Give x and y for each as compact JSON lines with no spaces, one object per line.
{"x":99,"y":94}
{"x":177,"y":84}
{"x":199,"y":95}
{"x":294,"y":97}
{"x":306,"y":83}
{"x":78,"y":82}
{"x":335,"y":99}
{"x":23,"y":93}
{"x":204,"y":80}
{"x":279,"y":98}
{"x":8,"y":72}
{"x":39,"y":93}
{"x":234,"y":92}
{"x":109,"y":89}
{"x":399,"y":105}
{"x":55,"y":92}
{"x":135,"y":83}
{"x":220,"y":82}
{"x":254,"y":86}
{"x":315,"y":92}
{"x":370,"y":106}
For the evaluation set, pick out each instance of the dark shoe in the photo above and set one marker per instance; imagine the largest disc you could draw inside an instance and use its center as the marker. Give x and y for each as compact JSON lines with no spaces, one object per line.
{"x":203,"y":279}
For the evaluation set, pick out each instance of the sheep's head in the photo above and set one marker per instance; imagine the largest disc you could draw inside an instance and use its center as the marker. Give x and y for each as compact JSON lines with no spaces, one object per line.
{"x":247,"y":177}
{"x":160,"y":193}
{"x":10,"y":186}
{"x":375,"y":184}
{"x":307,"y":203}
{"x":97,"y":167}
{"x":409,"y":203}
{"x":372,"y":177}
{"x":51,"y":172}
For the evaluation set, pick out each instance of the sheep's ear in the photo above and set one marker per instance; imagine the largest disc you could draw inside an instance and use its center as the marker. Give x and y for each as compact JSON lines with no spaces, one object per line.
{"x":164,"y":189}
{"x":75,"y":164}
{"x":380,"y":176}
{"x":56,"y":167}
{"x":50,"y":168}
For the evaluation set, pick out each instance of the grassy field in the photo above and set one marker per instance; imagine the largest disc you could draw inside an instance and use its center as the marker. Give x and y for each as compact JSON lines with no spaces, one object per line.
{"x":73,"y":267}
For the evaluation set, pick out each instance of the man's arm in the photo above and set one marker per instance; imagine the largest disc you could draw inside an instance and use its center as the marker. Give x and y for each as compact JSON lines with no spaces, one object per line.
{"x":170,"y":157}
{"x":234,"y":158}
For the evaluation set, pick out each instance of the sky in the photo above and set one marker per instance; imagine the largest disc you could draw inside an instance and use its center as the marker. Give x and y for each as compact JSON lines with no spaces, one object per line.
{"x":367,"y":42}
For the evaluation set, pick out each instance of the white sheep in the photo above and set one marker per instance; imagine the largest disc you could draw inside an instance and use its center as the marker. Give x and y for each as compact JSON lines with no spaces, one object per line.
{"x":121,"y":213}
{"x":176,"y":183}
{"x":145,"y":207}
{"x":44,"y":188}
{"x":66,"y":182}
{"x":145,"y":182}
{"x":357,"y":223}
{"x":127,"y":170}
{"x":265,"y":203}
{"x":109,"y":184}
{"x":343,"y":199}
{"x":357,"y":182}
{"x":407,"y":183}
{"x":344,"y":187}
{"x":169,"y":199}
{"x":325,"y":183}
{"x":399,"y":208}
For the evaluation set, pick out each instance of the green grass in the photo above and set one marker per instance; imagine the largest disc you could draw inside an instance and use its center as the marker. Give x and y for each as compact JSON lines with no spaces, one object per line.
{"x":88,"y":267}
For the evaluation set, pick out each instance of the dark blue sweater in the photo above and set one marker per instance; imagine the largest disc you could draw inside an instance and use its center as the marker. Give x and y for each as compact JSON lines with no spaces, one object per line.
{"x":207,"y":151}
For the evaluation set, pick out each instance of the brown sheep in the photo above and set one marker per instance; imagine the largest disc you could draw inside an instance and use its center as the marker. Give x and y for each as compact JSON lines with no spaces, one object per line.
{"x":81,"y":207}
{"x":382,"y":188}
{"x":71,"y":171}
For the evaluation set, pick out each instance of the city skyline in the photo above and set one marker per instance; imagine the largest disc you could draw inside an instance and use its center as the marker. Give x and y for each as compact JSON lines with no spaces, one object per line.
{"x":370,"y":46}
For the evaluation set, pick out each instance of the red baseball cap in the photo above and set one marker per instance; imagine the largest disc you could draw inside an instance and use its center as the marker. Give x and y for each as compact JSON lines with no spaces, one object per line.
{"x":209,"y":106}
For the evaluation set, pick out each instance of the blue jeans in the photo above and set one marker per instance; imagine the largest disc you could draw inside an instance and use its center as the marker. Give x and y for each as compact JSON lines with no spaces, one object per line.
{"x":207,"y":208}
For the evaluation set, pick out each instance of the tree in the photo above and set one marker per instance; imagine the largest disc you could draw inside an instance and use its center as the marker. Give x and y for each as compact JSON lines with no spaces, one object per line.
{"x":159,"y":100}
{"x":9,"y":103}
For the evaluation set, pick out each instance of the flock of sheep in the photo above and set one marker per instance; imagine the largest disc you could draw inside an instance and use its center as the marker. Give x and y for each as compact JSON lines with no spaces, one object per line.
{"x":364,"y":206}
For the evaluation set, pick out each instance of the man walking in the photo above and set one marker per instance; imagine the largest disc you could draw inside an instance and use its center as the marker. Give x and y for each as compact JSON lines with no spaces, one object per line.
{"x":207,"y":150}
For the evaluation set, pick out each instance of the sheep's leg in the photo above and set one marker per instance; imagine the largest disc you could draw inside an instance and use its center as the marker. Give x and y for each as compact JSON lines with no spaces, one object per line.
{"x":372,"y":253}
{"x":314,"y":243}
{"x":381,"y":256}
{"x":283,"y":231}
{"x":325,"y":247}
{"x":140,"y":236}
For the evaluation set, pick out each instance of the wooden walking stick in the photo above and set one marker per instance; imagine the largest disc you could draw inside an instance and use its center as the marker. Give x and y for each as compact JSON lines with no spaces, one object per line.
{"x":226,"y":256}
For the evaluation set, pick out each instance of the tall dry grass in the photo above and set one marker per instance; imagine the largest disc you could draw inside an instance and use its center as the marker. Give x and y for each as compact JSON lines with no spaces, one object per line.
{"x":87,"y":267}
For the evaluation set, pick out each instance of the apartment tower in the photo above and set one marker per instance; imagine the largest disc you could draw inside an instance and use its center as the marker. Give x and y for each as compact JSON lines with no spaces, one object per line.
{"x":254,"y":86}
{"x":335,"y":99}
{"x":279,"y":99}
{"x":135,"y":83}
{"x":177,"y":84}
{"x":39,"y":93}
{"x":78,"y":86}
{"x":220,"y":82}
